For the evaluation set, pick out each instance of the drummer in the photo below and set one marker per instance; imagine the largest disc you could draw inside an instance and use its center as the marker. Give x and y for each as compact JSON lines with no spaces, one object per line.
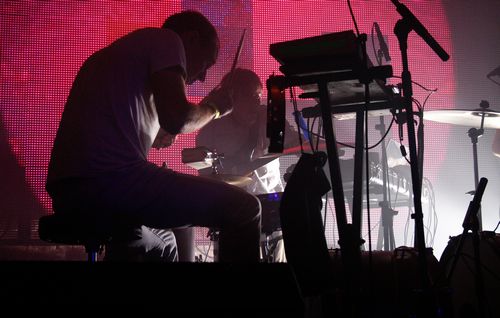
{"x":241,"y":138}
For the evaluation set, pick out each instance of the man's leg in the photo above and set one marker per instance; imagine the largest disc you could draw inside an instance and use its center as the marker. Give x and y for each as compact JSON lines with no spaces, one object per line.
{"x":158,"y":198}
{"x":175,"y":200}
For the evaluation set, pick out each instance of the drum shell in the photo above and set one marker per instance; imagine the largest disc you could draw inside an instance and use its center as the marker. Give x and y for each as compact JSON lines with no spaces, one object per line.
{"x":462,"y":282}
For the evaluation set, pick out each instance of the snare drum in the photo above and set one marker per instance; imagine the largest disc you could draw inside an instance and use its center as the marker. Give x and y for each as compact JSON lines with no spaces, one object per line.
{"x":462,"y":282}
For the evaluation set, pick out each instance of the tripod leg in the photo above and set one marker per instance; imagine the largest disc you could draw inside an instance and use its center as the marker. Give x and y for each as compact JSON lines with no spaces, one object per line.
{"x":380,"y":239}
{"x":393,"y":240}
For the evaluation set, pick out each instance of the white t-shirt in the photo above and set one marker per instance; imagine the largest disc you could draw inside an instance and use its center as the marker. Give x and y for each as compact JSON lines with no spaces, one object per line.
{"x":110,"y":121}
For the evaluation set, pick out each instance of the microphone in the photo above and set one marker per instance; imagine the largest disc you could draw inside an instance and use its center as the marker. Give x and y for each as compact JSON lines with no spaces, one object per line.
{"x":420,"y":29}
{"x":381,"y":41}
{"x":494,"y":72}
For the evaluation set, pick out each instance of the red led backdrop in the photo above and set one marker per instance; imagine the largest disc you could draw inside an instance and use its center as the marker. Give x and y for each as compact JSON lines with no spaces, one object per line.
{"x":43,"y":43}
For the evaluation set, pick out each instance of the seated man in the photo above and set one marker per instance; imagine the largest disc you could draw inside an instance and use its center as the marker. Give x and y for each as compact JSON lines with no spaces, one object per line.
{"x":241,"y":137}
{"x":121,"y":97}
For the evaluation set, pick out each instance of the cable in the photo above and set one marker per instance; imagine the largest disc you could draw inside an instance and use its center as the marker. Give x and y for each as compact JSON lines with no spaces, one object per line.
{"x":353,"y":17}
{"x":426,"y":98}
{"x":295,"y":115}
{"x":204,"y":252}
{"x":496,"y":227}
{"x":418,"y":84}
{"x":432,"y":217}
{"x":371,"y":229}
{"x":352,"y":147}
{"x":491,"y":79}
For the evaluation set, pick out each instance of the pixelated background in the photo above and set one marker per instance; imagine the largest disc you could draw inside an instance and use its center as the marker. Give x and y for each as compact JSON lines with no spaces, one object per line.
{"x":43,"y":44}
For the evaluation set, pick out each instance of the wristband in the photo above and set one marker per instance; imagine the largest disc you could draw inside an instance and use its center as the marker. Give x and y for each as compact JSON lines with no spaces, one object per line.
{"x":214,"y":108}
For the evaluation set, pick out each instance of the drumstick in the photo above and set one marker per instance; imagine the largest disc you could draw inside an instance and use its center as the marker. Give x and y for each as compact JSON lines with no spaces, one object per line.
{"x":235,"y":61}
{"x":238,"y":52}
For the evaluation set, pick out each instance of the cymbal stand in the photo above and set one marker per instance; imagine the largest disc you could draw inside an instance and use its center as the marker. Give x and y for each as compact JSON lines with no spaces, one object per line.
{"x":213,"y":233}
{"x":474,"y":135}
{"x":426,"y":306}
{"x":386,"y":229}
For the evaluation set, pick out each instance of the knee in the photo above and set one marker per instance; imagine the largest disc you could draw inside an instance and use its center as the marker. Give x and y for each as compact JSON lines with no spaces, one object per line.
{"x":239,"y":209}
{"x":252,"y":208}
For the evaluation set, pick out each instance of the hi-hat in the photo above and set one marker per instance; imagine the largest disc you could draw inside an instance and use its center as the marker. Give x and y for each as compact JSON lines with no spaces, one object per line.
{"x":463,"y":117}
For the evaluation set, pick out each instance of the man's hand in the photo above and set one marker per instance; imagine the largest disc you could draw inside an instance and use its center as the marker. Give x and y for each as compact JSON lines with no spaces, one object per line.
{"x":163,"y":139}
{"x":221,"y":99}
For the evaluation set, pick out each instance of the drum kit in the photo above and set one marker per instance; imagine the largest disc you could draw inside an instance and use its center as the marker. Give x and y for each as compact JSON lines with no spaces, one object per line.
{"x":204,"y":159}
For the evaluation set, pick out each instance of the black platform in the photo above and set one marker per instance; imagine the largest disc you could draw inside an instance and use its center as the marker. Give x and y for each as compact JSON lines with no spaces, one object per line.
{"x":174,"y":290}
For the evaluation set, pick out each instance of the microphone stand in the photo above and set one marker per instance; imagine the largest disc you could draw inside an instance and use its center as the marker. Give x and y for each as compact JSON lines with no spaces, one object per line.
{"x":471,"y":223}
{"x":386,"y":231}
{"x":403,"y":27}
{"x":213,"y":233}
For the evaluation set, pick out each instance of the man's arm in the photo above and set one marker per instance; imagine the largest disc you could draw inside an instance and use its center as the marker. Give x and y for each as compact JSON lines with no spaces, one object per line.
{"x":176,"y":114}
{"x":163,"y":139}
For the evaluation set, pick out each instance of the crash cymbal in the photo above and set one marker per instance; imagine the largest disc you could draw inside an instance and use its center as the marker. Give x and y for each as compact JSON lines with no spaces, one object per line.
{"x":464,"y":117}
{"x":232,"y":179}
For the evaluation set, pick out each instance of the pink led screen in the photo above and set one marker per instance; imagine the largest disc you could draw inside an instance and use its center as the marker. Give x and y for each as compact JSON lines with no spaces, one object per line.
{"x":43,"y":43}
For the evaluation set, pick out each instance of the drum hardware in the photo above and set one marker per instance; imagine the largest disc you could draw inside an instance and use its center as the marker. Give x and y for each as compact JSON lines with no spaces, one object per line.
{"x":495,"y":72}
{"x":268,"y":248}
{"x":466,"y":117}
{"x":213,"y":234}
{"x":270,"y":203}
{"x":408,"y":23}
{"x":202,"y":158}
{"x":314,"y":61}
{"x":481,"y":117}
{"x":303,"y":63}
{"x":471,"y":223}
{"x":386,"y":230}
{"x":210,"y":162}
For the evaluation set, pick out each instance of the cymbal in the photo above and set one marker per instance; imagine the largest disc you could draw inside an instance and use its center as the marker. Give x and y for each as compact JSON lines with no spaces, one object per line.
{"x":464,"y":117}
{"x":232,"y":179}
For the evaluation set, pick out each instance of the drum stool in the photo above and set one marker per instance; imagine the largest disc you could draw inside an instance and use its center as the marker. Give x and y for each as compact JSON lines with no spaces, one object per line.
{"x":72,"y":229}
